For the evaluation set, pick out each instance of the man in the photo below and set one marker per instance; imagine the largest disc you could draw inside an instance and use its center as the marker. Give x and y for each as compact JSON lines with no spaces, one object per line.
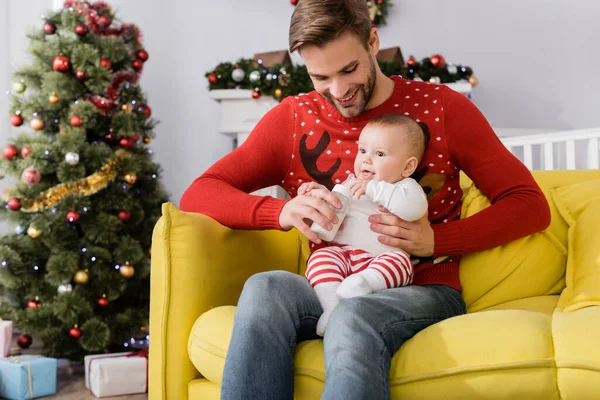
{"x":313,"y":138}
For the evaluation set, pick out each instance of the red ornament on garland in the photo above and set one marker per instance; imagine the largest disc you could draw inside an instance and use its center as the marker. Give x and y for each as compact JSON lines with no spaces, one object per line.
{"x":104,"y":21}
{"x":438,"y":61}
{"x":256,"y":94}
{"x":73,"y":216}
{"x":294,"y":2}
{"x":146,"y":110}
{"x":124,"y":215}
{"x":35,"y":303}
{"x":81,"y":30}
{"x":76,"y":121}
{"x":10,"y":152}
{"x":412,"y":62}
{"x":61,"y":64}
{"x":105,"y":63}
{"x":138,"y":65}
{"x":14,"y":204}
{"x":25,"y":151}
{"x":103,"y":301}
{"x":24,"y":341}
{"x":75,"y":332}
{"x":16,"y":120}
{"x":81,"y":75}
{"x":143,"y":55}
{"x":49,"y":28}
{"x":127,"y":143}
{"x":212,"y":79}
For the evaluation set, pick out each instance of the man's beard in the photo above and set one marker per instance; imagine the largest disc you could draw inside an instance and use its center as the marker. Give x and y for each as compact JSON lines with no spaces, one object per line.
{"x":367,"y":92}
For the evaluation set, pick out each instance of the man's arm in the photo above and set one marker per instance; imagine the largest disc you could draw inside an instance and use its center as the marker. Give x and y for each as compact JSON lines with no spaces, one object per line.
{"x":405,"y":199}
{"x":518,"y":208}
{"x":261,"y":161}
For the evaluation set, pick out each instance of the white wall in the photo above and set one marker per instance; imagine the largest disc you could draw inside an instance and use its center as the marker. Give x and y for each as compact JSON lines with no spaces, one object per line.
{"x":537,"y":61}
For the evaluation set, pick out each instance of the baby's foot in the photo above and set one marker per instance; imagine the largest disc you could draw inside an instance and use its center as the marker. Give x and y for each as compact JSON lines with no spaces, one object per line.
{"x":322,"y":323}
{"x":352,"y":286}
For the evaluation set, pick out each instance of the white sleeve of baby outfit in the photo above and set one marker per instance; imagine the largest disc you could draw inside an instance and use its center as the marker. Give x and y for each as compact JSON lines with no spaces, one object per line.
{"x":404,"y":199}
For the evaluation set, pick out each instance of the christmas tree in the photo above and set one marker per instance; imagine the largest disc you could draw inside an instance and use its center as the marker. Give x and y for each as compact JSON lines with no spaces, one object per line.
{"x":87,"y":195}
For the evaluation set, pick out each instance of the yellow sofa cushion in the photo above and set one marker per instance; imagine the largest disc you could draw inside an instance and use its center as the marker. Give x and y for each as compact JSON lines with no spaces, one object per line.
{"x":511,"y":272}
{"x":579,"y":205}
{"x":458,"y":358}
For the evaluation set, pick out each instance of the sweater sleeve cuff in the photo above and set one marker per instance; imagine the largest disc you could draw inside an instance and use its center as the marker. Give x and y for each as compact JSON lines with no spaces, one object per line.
{"x":268,"y":213}
{"x":448,"y":240}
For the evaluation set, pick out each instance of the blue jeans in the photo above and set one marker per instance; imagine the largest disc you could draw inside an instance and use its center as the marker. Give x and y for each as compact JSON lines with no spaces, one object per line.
{"x":279,"y":309}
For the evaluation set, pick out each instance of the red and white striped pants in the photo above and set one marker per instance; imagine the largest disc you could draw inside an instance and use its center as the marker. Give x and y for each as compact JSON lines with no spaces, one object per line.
{"x":334,"y":264}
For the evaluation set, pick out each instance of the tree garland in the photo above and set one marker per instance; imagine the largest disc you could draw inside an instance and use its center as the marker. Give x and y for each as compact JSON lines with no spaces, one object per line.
{"x":281,"y":80}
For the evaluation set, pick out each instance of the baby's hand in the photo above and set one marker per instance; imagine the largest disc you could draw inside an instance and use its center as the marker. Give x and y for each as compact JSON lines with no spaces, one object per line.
{"x":306,"y":187}
{"x":358,"y":187}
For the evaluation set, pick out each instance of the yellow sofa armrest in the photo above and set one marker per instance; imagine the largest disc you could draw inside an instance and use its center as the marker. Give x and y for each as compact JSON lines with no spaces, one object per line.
{"x":198,"y":264}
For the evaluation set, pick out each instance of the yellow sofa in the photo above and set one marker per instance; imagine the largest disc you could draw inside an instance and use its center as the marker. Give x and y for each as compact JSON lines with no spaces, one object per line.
{"x":532,"y":330}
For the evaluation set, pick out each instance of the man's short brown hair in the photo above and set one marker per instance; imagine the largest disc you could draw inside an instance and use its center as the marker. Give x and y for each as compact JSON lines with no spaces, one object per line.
{"x":417,"y":132}
{"x":318,"y":22}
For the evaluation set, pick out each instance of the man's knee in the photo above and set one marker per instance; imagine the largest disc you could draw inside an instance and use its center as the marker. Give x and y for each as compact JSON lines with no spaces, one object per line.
{"x":351,"y":314}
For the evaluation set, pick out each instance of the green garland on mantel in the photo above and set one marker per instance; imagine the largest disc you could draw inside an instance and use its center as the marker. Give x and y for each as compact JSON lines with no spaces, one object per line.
{"x":282,"y":80}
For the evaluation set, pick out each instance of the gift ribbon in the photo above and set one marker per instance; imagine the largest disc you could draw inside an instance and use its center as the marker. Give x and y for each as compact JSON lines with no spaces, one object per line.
{"x":18,"y":360}
{"x":141,"y":353}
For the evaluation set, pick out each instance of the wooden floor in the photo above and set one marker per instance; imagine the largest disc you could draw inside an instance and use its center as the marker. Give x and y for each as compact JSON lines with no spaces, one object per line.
{"x":70,"y":383}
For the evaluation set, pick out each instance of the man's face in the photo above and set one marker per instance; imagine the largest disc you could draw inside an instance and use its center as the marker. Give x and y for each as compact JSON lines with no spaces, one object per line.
{"x":343,"y":72}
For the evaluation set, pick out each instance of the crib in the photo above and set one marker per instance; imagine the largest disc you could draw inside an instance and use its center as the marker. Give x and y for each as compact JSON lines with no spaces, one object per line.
{"x":577,"y":149}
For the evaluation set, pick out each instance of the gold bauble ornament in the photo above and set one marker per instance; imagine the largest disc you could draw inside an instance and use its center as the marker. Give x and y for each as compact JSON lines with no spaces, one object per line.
{"x":33,"y":232}
{"x":127,"y":270}
{"x":36,"y":124}
{"x":147,"y":140}
{"x":278,"y":92}
{"x":130,"y":178}
{"x":127,"y":107}
{"x":473,"y":80}
{"x":53,"y":98}
{"x":81,"y":277}
{"x":144,"y":328}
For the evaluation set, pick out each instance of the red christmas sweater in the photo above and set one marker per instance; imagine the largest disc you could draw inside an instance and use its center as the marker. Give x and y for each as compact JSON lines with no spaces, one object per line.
{"x":304,"y":139}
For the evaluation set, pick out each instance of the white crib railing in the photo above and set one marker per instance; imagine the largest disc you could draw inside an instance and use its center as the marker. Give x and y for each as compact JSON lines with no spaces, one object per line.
{"x":557,"y":150}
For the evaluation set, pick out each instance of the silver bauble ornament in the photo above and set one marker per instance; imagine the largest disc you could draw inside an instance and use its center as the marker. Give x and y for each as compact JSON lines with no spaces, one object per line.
{"x":238,"y":75}
{"x":62,"y":289}
{"x":72,"y":158}
{"x":254,"y":76}
{"x":452,"y":69}
{"x":435,"y":79}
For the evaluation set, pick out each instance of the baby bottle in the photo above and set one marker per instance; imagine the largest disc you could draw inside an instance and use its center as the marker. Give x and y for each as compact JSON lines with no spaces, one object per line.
{"x":344,"y":194}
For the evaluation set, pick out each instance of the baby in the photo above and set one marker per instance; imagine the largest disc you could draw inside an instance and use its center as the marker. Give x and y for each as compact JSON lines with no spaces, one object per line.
{"x":355,"y":263}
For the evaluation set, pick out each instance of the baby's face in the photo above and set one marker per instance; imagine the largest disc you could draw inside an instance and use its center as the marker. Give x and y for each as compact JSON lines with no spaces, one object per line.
{"x":382,"y":154}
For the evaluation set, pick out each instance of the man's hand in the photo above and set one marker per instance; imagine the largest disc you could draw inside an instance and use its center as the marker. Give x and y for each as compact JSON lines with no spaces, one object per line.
{"x":416,"y":238}
{"x":358,"y":187}
{"x":310,"y":205}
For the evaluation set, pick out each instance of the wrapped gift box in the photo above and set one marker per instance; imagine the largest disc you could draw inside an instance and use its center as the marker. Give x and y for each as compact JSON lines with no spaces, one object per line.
{"x":27,"y":377}
{"x":6,"y":331}
{"x":117,"y":373}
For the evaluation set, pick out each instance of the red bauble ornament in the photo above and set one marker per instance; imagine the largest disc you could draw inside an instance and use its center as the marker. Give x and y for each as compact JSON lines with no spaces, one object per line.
{"x":127,"y":143}
{"x":108,"y":136}
{"x":81,"y":30}
{"x":25,"y":151}
{"x":31,"y":176}
{"x":16,"y":120}
{"x":212,"y":78}
{"x":81,"y":75}
{"x":104,"y":21}
{"x":73,"y":216}
{"x":105,"y":63}
{"x":103,"y":301}
{"x":146,"y":110}
{"x":24,"y":341}
{"x":142,"y":55}
{"x":14,"y":204}
{"x":124,"y":215}
{"x":135,"y":137}
{"x":35,"y":303}
{"x":76,"y":121}
{"x":138,"y":65}
{"x":438,"y":61}
{"x":256,"y":94}
{"x":61,"y":64}
{"x":10,"y":152}
{"x":102,"y":104}
{"x":75,"y":332}
{"x":294,"y":2}
{"x":49,"y":28}
{"x":411,"y":62}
